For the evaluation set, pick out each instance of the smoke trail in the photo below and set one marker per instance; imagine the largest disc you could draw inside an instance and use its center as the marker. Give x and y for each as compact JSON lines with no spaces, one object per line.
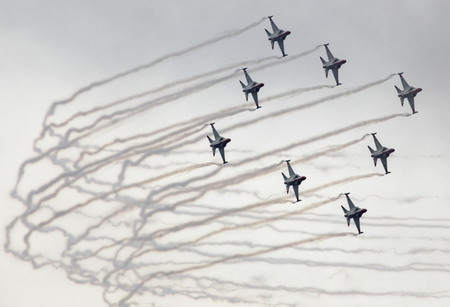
{"x":243,"y":177}
{"x":151,"y":276}
{"x":127,"y":113}
{"x":152,"y":63}
{"x":312,"y":103}
{"x":158,"y":89}
{"x":163,"y":232}
{"x":192,"y":123}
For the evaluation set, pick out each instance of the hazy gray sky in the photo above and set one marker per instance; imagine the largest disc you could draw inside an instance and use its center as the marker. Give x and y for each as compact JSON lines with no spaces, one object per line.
{"x":51,"y":49}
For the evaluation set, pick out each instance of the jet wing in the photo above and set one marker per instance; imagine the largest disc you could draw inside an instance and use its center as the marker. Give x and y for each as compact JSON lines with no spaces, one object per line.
{"x":358,"y":226}
{"x":291,"y":171}
{"x":222,"y":153}
{"x":404,"y":83}
{"x":336,"y":75}
{"x":384,"y":161}
{"x":274,"y":26}
{"x":216,"y":134}
{"x":329,"y":54}
{"x":249,"y":79}
{"x":411,"y":103}
{"x":377,"y":143}
{"x":350,"y":203}
{"x":281,"y":44}
{"x":255,"y":98}
{"x":295,"y":186}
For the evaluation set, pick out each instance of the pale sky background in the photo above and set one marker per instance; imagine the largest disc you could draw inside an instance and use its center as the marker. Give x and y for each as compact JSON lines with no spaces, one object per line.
{"x":49,"y":49}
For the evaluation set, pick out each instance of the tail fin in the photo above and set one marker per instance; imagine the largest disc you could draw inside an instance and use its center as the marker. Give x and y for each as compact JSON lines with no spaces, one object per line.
{"x":402,"y":100}
{"x":371,"y":150}
{"x":398,"y":90}
{"x":323,"y":61}
{"x":246,"y":96}
{"x":345,"y":210}
{"x":209,"y":139}
{"x":242,"y":84}
{"x":326,"y":72}
{"x":375,"y":161}
{"x":268,"y":33}
{"x":214,"y":151}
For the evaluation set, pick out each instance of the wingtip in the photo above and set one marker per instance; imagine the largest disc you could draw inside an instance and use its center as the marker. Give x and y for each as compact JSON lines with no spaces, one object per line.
{"x":337,"y":84}
{"x":270,"y":17}
{"x":244,"y":68}
{"x":212,"y":124}
{"x":325,"y":45}
{"x":287,"y":161}
{"x":346,"y":194}
{"x":373,"y":133}
{"x":400,"y":73}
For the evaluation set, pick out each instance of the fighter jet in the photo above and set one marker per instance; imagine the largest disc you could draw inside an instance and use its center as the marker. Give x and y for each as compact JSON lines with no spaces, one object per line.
{"x":408,"y":92}
{"x":278,"y":36}
{"x":252,"y":87}
{"x":293,"y":180}
{"x":219,"y":142}
{"x":380,"y":153}
{"x":333,"y":64}
{"x":354,"y":213}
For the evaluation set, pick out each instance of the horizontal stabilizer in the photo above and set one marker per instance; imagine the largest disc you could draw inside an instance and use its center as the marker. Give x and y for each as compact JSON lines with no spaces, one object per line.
{"x":398,"y":90}
{"x":323,"y":61}
{"x":284,"y":176}
{"x":209,"y":139}
{"x":242,"y":84}
{"x":343,"y":209}
{"x":268,"y":33}
{"x":370,"y":148}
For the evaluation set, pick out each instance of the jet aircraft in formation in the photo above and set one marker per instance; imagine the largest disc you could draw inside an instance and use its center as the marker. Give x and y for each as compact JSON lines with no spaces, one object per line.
{"x":332,"y":64}
{"x":278,"y":36}
{"x":354,"y":213}
{"x":252,"y":87}
{"x":381,"y":153}
{"x":219,"y":142}
{"x":293,"y":180}
{"x":408,"y":92}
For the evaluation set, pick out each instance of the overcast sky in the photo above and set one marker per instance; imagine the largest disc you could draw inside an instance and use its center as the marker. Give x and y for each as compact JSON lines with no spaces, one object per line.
{"x":50,"y":49}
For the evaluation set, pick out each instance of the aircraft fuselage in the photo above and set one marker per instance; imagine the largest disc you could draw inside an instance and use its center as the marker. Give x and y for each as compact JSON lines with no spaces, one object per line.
{"x":222,"y":142}
{"x":254,"y":87}
{"x":334,"y":64}
{"x":413,"y":91}
{"x":357,"y":212}
{"x":384,"y":153}
{"x":281,"y":35}
{"x":297,"y":179}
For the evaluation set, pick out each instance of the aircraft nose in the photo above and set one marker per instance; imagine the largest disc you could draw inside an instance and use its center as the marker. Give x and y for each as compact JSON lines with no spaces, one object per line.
{"x":228,"y":140}
{"x":344,"y":61}
{"x":303,"y":178}
{"x":288,"y":32}
{"x":364,"y":210}
{"x":419,"y":90}
{"x":261,"y":84}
